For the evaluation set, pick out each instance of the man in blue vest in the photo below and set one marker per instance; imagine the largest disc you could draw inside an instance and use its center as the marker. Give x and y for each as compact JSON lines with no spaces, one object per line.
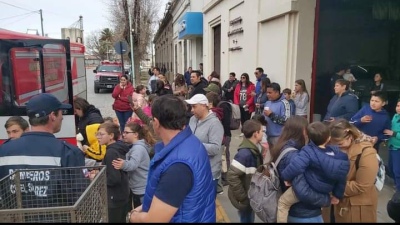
{"x":180,"y":186}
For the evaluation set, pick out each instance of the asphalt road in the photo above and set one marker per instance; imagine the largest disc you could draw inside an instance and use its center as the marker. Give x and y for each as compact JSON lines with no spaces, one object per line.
{"x":103,"y":101}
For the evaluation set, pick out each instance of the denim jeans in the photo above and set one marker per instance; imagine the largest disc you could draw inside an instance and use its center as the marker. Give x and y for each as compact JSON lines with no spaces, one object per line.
{"x":246,"y":216}
{"x":122,"y":118}
{"x":394,"y":167}
{"x":317,"y":219}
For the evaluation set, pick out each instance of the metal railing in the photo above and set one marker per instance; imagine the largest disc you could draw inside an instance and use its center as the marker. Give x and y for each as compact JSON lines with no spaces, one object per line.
{"x":54,"y":195}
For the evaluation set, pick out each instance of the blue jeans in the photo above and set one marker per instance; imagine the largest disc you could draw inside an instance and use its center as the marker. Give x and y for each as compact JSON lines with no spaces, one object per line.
{"x":246,"y":216}
{"x":394,"y":167}
{"x":317,"y":219}
{"x":122,"y":118}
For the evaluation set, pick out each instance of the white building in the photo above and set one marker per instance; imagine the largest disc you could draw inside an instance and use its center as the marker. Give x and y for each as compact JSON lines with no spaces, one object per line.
{"x":187,"y":34}
{"x":240,"y":35}
{"x":289,"y":39}
{"x":304,"y":39}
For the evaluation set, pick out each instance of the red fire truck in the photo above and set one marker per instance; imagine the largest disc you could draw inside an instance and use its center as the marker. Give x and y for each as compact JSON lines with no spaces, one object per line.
{"x":107,"y":75}
{"x":30,"y":65}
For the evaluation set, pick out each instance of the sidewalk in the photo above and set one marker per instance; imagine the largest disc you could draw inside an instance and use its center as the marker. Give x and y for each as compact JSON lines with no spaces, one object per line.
{"x":221,"y":214}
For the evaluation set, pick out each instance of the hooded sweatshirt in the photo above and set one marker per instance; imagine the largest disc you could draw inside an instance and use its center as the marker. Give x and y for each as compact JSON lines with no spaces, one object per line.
{"x":280,"y":113}
{"x":137,"y":165}
{"x":117,"y":180}
{"x":210,"y":132}
{"x":87,"y":126}
{"x":394,"y":141}
{"x":91,"y":116}
{"x":380,"y":122}
{"x":218,"y":112}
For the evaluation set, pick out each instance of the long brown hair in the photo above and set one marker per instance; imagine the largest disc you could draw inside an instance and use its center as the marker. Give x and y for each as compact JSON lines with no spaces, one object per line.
{"x":341,"y":129}
{"x":143,"y":132}
{"x":292,"y":130}
{"x":303,"y":87}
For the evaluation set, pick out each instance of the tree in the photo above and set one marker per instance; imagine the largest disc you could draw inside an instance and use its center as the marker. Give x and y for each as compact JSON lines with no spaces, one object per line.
{"x":144,"y":18}
{"x":99,"y":43}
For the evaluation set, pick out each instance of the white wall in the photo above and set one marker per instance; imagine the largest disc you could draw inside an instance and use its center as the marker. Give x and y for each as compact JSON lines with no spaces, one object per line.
{"x":278,"y":36}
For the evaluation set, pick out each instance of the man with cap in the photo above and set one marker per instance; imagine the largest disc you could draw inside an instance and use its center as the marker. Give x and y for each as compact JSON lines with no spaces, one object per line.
{"x":208,"y":129}
{"x":38,"y":149}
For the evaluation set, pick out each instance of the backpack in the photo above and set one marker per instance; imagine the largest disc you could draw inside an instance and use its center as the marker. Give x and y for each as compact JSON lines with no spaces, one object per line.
{"x":380,"y":177}
{"x":264,"y":191}
{"x":235,"y":115}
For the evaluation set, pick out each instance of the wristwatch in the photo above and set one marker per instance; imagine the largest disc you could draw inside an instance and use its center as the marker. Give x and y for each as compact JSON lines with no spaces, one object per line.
{"x":128,"y":217}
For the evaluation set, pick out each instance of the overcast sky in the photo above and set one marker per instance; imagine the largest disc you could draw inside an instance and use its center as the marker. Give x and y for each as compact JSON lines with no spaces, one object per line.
{"x":17,"y":15}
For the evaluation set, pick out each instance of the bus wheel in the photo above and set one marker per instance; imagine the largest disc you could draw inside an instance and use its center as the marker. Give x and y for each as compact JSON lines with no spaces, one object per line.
{"x":96,"y":90}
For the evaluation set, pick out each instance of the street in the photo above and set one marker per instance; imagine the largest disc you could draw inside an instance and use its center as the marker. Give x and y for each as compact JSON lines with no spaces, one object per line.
{"x":103,"y":101}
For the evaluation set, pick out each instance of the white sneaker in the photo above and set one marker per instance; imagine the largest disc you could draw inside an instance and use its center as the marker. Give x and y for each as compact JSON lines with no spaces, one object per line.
{"x":241,"y":135}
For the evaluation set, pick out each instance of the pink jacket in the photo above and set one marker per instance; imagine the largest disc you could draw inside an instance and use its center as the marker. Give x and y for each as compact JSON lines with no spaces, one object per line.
{"x":140,"y":99}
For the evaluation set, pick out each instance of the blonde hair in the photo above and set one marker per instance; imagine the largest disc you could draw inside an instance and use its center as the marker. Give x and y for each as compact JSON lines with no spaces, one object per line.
{"x":342,"y":129}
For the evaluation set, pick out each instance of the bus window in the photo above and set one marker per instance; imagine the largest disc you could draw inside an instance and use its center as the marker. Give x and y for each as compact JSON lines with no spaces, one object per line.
{"x":25,"y":64}
{"x":55,"y":71}
{"x":5,"y":85}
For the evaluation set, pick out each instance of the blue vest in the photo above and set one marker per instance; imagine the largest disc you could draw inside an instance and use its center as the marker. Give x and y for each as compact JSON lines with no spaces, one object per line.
{"x":199,"y":204}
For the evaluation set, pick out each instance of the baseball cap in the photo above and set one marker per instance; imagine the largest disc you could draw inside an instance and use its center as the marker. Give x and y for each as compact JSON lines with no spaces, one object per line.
{"x":212,"y":88}
{"x":43,"y":104}
{"x":198,"y":99}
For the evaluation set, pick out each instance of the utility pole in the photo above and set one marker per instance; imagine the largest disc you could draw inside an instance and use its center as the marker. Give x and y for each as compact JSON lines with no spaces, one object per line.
{"x":131,"y":40}
{"x":41,"y":20}
{"x":81,"y":28}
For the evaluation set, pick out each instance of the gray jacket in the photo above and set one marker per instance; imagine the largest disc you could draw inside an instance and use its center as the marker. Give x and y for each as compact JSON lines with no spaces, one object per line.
{"x":210,"y":132}
{"x":137,"y":165}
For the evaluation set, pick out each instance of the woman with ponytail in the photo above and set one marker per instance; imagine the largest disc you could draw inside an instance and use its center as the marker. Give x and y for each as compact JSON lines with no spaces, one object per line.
{"x":137,"y":159}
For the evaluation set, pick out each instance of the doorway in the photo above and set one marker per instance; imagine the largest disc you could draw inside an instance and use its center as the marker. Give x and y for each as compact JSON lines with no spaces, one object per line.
{"x":217,"y":48}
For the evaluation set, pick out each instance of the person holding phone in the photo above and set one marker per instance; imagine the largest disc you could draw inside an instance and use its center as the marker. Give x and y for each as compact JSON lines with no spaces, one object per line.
{"x":121,"y":104}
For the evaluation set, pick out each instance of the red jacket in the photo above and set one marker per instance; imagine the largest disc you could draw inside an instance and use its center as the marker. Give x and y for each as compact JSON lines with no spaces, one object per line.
{"x":121,"y":102}
{"x":250,"y":98}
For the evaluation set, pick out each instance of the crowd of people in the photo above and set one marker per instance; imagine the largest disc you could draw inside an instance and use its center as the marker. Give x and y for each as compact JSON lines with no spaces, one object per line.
{"x":167,"y":134}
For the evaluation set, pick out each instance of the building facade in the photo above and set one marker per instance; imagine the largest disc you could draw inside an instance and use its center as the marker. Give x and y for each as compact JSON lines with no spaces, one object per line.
{"x":187,"y":35}
{"x":163,"y":44}
{"x":240,"y":35}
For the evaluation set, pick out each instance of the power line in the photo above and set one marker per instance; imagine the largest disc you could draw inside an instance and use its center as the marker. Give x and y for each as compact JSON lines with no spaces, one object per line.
{"x":20,"y":19}
{"x":16,"y":6}
{"x":10,"y":17}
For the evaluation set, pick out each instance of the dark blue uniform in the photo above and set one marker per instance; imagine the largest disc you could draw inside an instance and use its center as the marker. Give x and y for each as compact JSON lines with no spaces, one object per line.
{"x":42,"y":187}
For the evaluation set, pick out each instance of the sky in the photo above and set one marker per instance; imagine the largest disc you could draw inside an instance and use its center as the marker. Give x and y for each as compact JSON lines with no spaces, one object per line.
{"x":17,"y":15}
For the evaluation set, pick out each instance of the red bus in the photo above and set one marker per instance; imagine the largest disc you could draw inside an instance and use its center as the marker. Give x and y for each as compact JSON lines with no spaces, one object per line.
{"x":30,"y":65}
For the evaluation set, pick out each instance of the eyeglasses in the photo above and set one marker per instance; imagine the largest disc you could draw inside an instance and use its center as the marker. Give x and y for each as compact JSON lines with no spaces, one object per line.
{"x":127,"y":132}
{"x":255,"y":73}
{"x":243,"y":77}
{"x":100,"y":134}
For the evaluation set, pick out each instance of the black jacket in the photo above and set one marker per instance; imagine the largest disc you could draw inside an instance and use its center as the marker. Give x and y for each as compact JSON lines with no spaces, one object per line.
{"x":117,"y":180}
{"x":227,"y":85}
{"x":226,"y":120}
{"x":91,"y":116}
{"x":199,"y":88}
